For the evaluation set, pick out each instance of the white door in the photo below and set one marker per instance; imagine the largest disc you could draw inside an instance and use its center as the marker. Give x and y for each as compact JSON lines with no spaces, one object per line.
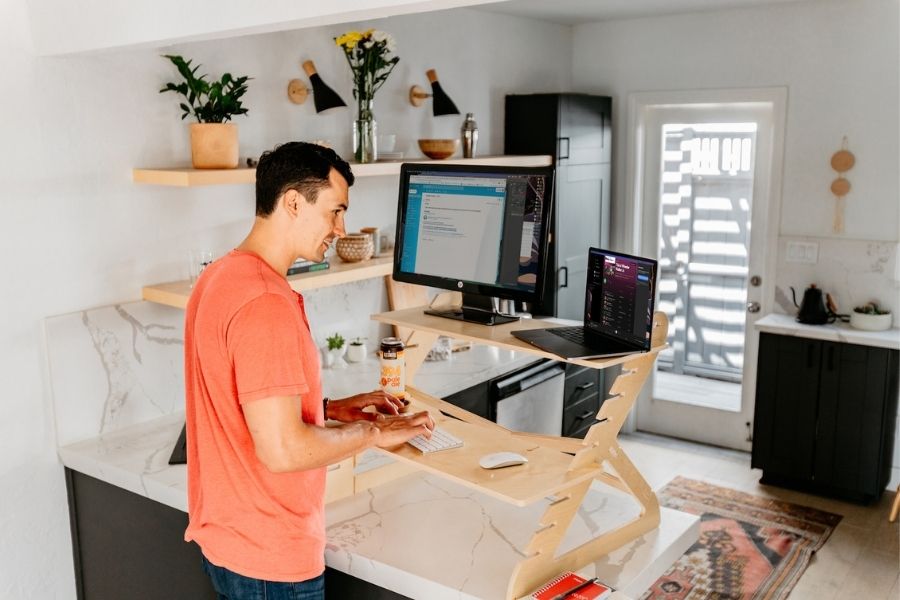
{"x":709,"y":215}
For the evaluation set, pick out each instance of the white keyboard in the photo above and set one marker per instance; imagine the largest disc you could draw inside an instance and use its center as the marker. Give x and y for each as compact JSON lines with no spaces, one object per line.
{"x":440,"y":440}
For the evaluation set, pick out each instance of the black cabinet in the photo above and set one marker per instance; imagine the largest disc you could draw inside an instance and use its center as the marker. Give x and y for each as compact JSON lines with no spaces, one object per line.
{"x":825,"y":415}
{"x":128,"y":546}
{"x":584,"y":393}
{"x":575,"y":129}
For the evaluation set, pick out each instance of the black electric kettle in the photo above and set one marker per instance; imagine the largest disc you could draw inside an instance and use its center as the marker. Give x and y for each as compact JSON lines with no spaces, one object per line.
{"x":812,"y":309}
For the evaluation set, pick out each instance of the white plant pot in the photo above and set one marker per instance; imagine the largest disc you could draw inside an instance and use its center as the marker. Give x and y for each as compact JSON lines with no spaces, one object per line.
{"x":337,"y":358}
{"x":356,"y":353}
{"x":327,"y":358}
{"x":870,"y":322}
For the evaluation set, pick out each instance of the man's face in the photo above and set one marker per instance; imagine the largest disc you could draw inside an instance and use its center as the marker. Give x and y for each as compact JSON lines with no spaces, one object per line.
{"x":319,"y":224}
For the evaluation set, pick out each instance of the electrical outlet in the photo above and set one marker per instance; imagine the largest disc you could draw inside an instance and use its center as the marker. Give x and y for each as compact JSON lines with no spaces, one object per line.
{"x":802,"y":252}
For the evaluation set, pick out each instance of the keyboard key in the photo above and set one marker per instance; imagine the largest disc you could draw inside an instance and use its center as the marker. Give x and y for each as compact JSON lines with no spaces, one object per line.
{"x":440,"y":440}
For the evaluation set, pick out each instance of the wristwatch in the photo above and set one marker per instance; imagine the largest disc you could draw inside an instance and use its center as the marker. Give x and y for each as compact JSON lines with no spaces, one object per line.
{"x":325,"y":401}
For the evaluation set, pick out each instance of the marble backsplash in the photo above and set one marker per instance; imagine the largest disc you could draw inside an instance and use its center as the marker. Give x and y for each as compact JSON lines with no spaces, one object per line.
{"x":115,"y":366}
{"x":854,"y":272}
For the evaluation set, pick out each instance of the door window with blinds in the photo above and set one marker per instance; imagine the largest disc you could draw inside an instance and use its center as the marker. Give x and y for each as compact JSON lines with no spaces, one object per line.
{"x":705,"y":214}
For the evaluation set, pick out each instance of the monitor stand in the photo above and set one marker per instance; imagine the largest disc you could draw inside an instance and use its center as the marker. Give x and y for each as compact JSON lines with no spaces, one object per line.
{"x":475,"y":309}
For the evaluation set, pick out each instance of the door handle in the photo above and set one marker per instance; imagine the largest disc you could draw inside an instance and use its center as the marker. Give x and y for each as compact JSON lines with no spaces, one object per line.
{"x":566,"y":269}
{"x":753,"y":307}
{"x":561,"y":140}
{"x":584,"y":386}
{"x":584,"y":415}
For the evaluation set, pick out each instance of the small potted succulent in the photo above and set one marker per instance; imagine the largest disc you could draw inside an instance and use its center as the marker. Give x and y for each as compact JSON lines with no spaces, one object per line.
{"x":334,"y":355}
{"x":870,"y":317}
{"x":214,"y":141}
{"x":356,"y":351}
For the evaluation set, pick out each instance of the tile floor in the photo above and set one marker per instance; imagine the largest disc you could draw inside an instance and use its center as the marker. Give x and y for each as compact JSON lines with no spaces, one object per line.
{"x":861,"y":559}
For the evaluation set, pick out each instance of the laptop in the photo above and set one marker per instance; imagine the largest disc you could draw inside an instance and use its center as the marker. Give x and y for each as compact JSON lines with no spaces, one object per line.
{"x":618,"y":310}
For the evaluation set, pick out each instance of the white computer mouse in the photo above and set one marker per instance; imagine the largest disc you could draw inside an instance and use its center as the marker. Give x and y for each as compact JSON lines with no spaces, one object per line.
{"x":501,"y":459}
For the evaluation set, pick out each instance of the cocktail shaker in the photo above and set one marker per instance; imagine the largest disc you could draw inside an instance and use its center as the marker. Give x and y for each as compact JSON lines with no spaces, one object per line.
{"x":469,"y":134}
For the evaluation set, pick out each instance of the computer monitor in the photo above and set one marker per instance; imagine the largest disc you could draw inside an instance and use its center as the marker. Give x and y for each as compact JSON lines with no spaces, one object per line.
{"x":481,"y":230}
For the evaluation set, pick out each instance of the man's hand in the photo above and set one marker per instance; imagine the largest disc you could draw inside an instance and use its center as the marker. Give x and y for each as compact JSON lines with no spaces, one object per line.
{"x":350,"y":409}
{"x":397,"y":430}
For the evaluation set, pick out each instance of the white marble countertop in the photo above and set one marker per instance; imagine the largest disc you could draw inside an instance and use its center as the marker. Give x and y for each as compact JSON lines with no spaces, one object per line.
{"x":835,"y":332}
{"x":438,"y":378}
{"x":420,"y":536}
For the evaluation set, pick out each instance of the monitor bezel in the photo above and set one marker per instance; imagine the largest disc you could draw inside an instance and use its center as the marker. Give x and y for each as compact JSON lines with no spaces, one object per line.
{"x":468,"y":287}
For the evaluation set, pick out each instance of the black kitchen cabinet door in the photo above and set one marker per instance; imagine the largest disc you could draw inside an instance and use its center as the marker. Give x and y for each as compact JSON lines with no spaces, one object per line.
{"x":786,"y":397}
{"x":851,"y":412}
{"x":825,"y":415}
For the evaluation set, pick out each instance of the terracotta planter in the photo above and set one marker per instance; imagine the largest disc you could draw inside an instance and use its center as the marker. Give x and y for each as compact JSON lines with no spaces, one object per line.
{"x":214,"y":145}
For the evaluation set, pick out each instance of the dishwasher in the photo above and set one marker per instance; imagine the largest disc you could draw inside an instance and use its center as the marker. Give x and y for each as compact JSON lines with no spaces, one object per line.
{"x":531,"y":399}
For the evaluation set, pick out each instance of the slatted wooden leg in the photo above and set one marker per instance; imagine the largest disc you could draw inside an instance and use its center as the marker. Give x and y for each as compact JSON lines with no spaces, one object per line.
{"x":895,"y":508}
{"x":600,"y":447}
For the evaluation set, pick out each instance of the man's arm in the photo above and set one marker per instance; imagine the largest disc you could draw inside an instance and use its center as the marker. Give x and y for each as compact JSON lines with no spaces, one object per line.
{"x":284,"y":443}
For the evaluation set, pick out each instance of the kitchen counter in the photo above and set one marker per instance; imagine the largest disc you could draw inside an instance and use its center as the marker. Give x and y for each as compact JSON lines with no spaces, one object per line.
{"x":438,"y":378}
{"x":835,"y":332}
{"x":118,"y":405}
{"x":421,"y":536}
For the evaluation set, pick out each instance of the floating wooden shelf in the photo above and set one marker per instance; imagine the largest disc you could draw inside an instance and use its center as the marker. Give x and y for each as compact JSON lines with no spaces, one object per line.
{"x":187,"y":177}
{"x":177,"y":293}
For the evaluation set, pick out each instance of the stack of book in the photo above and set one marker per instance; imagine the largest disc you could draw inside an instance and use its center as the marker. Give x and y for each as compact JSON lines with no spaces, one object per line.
{"x":304,"y":266}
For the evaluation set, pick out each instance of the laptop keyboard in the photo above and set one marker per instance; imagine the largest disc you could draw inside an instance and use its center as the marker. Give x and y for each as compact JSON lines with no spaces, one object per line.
{"x":573,"y":334}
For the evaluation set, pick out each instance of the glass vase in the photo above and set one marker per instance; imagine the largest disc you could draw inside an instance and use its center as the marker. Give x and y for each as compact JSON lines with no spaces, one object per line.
{"x":365,"y":148}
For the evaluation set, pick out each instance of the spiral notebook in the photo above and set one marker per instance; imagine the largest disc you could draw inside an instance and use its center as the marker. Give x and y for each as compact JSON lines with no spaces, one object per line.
{"x":569,"y":581}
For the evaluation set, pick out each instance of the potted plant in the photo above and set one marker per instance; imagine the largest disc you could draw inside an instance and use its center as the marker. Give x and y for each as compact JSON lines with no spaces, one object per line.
{"x":870,"y":317}
{"x":214,"y":141}
{"x":356,"y":351}
{"x":335,"y":354}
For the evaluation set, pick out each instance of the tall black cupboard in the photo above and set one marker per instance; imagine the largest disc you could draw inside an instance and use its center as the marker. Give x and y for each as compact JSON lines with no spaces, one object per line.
{"x":576,"y":130}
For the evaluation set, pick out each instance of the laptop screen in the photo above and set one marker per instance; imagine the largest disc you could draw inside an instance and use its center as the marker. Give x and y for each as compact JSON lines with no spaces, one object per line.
{"x":620,"y":293}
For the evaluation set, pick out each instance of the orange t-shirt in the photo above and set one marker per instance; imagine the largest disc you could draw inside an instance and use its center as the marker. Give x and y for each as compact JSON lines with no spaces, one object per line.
{"x":246,"y":338}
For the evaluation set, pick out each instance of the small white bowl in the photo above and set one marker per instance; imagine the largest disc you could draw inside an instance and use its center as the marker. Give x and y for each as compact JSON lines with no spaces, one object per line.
{"x":870,"y":322}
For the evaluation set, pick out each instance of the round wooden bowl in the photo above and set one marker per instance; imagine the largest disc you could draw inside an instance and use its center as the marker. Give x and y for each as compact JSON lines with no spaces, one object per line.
{"x":355,"y":247}
{"x":438,"y":149}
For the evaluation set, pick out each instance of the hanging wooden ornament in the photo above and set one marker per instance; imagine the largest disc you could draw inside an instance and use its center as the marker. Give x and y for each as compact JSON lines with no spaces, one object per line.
{"x":841,"y":161}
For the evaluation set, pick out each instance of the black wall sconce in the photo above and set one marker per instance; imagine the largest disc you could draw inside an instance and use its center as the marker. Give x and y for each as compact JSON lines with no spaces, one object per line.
{"x":323,"y":96}
{"x":442,"y":104}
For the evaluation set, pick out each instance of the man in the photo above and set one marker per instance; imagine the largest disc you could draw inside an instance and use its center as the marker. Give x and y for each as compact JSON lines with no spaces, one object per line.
{"x":257,"y":445}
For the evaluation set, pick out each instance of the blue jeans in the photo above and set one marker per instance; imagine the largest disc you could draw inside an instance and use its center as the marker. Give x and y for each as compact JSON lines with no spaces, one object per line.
{"x":231,"y":586}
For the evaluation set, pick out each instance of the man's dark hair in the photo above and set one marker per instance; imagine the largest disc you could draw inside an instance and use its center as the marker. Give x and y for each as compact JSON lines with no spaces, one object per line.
{"x":296,"y":166}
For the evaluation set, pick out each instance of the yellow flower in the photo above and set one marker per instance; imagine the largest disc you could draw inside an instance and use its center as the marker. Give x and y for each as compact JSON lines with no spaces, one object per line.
{"x":349,"y":39}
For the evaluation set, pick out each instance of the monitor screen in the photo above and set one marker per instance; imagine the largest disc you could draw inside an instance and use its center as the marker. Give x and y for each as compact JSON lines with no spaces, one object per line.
{"x":620,"y":293}
{"x":477,"y":229}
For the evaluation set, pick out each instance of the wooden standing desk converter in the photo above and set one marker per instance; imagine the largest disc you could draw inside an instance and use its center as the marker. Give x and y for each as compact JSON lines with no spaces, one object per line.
{"x":560,"y":468}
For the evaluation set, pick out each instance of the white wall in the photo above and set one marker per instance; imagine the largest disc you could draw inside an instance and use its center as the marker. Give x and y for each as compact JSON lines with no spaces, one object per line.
{"x":840,"y":62}
{"x":76,"y":233}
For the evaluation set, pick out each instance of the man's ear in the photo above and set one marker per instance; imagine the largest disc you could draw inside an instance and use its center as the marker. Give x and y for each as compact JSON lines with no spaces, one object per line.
{"x":293,"y":202}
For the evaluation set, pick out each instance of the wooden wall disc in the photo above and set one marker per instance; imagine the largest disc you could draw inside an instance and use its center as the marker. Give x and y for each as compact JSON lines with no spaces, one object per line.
{"x":840,"y":187}
{"x":842,"y":160}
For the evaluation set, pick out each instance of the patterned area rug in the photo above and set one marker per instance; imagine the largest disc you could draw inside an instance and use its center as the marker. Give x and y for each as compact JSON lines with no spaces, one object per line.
{"x":749,"y":547}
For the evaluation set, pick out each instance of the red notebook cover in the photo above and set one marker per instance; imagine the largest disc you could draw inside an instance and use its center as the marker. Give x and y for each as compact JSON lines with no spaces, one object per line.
{"x":567,"y":581}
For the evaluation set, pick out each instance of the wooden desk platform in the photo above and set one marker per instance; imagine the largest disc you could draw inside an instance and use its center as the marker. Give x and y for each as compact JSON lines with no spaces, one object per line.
{"x":497,"y":335}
